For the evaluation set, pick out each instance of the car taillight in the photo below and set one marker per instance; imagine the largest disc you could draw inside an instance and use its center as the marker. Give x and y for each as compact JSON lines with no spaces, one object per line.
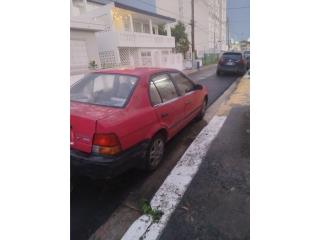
{"x":106,"y":144}
{"x":221,"y":61}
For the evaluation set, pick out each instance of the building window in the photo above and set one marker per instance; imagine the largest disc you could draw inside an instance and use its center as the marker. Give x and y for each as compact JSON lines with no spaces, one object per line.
{"x":146,"y":28}
{"x":146,"y":54}
{"x":137,"y":26}
{"x":146,"y":59}
{"x":126,"y":23}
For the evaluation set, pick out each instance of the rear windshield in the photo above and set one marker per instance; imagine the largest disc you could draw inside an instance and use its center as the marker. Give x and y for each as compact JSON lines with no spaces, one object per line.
{"x":232,"y":56}
{"x":112,"y":90}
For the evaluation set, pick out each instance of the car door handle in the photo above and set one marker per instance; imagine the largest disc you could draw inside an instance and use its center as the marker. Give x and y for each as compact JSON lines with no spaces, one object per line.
{"x":163,"y":115}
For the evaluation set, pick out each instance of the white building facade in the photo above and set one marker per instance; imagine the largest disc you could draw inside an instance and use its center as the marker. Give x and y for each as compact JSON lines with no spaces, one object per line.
{"x":83,"y":43}
{"x":210,"y":22}
{"x":128,"y":36}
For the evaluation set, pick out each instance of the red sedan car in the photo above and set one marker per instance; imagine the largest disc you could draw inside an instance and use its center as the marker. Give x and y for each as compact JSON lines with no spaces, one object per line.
{"x":122,"y":119}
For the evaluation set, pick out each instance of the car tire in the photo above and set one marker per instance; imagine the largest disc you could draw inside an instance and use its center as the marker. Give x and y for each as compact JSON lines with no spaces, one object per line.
{"x":155,"y":152}
{"x":203,"y":110}
{"x":73,"y":183}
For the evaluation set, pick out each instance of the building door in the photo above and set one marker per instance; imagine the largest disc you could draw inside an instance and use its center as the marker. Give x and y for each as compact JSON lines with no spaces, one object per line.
{"x":78,"y":55}
{"x":146,"y":59}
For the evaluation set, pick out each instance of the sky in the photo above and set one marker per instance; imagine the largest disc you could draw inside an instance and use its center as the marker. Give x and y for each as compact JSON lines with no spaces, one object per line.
{"x":239,"y":19}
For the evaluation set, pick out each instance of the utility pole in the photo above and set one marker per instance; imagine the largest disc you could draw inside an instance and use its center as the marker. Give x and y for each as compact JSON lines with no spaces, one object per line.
{"x":214,"y":42}
{"x":228,"y":27}
{"x":192,"y":28}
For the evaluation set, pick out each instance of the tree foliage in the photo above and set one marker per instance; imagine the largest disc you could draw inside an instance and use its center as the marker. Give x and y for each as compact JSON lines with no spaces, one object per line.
{"x":162,"y":30}
{"x":181,"y":38}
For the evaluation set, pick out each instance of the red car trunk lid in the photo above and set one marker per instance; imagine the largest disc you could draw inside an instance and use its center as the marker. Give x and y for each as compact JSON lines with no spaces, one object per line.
{"x":83,"y":121}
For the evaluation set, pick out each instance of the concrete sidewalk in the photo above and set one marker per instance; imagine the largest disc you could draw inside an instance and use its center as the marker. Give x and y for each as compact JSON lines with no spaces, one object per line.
{"x":203,"y":68}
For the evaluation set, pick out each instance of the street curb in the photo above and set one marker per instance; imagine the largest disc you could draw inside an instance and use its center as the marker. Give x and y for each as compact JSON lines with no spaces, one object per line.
{"x":213,"y":109}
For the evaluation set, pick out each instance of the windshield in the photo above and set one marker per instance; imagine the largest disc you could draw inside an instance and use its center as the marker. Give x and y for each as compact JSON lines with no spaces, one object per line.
{"x":232,"y":56}
{"x":112,"y":90}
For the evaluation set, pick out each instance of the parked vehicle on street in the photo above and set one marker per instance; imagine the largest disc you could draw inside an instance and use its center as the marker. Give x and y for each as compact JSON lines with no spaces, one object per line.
{"x":232,"y":62}
{"x":122,"y":119}
{"x":247,"y":57}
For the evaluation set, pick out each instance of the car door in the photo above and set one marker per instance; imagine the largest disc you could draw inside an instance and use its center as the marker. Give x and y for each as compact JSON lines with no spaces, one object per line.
{"x":191,"y":98}
{"x":166,"y":101}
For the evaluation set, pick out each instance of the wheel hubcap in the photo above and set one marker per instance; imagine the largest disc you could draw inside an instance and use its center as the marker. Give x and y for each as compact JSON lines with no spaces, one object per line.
{"x":156,"y":152}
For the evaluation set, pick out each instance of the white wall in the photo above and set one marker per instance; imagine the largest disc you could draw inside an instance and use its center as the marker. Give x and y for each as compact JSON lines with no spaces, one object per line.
{"x":202,"y":31}
{"x":177,"y":9}
{"x":207,"y":29}
{"x":77,"y":9}
{"x":91,"y":46}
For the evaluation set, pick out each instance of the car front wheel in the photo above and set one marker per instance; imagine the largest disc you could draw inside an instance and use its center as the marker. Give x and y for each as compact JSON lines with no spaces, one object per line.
{"x":155,"y":153}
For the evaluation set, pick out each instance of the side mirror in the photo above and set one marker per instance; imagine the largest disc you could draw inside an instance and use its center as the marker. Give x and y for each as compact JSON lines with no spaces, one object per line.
{"x":198,"y":87}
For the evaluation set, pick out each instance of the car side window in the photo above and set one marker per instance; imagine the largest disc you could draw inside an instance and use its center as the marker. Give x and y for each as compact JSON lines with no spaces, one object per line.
{"x":154,"y":94}
{"x":183,"y":84}
{"x":165,"y":87}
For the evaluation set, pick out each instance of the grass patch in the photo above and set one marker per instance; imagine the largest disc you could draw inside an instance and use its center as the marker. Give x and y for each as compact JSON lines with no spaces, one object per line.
{"x":147,"y":209}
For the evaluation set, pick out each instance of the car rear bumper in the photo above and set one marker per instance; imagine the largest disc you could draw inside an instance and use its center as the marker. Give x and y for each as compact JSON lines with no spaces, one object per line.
{"x":232,"y":69}
{"x":97,"y":166}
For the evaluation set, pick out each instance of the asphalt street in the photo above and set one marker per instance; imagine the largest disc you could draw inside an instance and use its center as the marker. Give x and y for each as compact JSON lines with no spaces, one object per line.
{"x":216,"y":205}
{"x":93,"y":201}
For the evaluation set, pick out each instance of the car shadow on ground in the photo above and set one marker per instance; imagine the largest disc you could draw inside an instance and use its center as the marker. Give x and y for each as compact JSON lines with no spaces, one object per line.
{"x":94,"y":200}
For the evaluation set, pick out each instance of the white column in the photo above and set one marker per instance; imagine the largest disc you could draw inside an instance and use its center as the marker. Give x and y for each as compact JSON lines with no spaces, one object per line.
{"x":71,"y":8}
{"x":85,"y":4}
{"x":131,"y":23}
{"x":150,"y":26}
{"x":117,"y":56}
{"x":168,"y":28}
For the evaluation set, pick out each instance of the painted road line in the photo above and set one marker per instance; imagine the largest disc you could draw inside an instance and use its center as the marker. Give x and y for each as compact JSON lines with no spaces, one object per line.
{"x":171,"y":191}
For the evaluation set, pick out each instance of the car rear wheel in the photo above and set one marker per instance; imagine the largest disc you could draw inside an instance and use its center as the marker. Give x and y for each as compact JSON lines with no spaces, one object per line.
{"x":203,"y":110}
{"x":155,"y":152}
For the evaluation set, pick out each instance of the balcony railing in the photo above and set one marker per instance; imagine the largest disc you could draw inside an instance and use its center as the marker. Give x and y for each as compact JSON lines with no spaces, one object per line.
{"x":134,"y":39}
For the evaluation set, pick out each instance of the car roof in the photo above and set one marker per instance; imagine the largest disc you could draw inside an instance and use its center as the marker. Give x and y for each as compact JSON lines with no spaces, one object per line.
{"x":136,"y":71}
